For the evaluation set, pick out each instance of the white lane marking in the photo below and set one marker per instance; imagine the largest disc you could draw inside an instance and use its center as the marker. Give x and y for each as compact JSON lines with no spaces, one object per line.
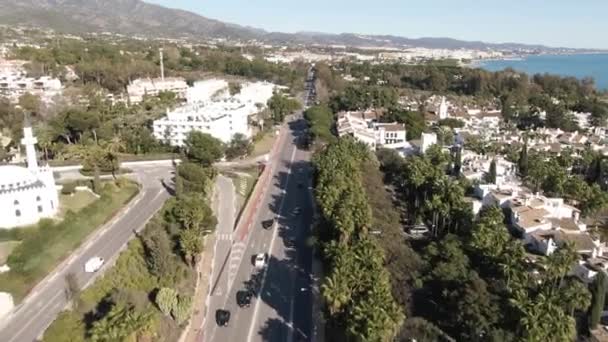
{"x":245,"y":244}
{"x":33,"y":317}
{"x":256,"y":307}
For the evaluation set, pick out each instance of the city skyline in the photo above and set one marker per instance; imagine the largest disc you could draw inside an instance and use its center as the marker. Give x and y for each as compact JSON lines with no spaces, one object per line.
{"x":542,"y":22}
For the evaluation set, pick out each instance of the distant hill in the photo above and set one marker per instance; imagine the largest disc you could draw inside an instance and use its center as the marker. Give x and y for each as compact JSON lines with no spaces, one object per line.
{"x":135,"y":17}
{"x":118,"y":16}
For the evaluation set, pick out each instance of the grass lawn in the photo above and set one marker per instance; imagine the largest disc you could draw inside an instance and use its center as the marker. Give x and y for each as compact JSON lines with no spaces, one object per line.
{"x":264,"y":144}
{"x":244,"y":180}
{"x":49,"y":242}
{"x":76,"y":201}
{"x":6,"y":247}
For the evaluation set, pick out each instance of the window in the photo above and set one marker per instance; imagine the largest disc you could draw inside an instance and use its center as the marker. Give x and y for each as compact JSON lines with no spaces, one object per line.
{"x":52,"y":205}
{"x":16,"y":202}
{"x":37,"y":198}
{"x":39,"y":208}
{"x":18,"y":213}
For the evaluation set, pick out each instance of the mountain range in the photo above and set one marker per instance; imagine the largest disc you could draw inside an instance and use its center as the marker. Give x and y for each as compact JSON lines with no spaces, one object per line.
{"x":136,"y":17}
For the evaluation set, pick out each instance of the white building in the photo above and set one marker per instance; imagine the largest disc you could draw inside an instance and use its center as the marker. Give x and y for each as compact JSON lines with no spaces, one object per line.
{"x":204,"y":90}
{"x":27,"y":194}
{"x":363,"y":127}
{"x":15,"y":84}
{"x":443,"y":109}
{"x":427,"y":140}
{"x":153,"y":86}
{"x":221,"y":116}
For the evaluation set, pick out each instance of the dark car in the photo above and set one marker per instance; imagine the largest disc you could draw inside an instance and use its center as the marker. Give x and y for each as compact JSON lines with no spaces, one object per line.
{"x":290,"y":243}
{"x":243,"y":298}
{"x":267,"y":224}
{"x":222,"y":317}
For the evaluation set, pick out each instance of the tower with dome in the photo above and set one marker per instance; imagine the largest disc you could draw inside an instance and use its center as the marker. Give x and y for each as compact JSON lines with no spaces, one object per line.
{"x":27,"y":194}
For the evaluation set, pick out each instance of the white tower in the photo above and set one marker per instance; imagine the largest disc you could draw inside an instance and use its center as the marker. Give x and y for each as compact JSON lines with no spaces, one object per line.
{"x":443,"y":109}
{"x":29,"y":141}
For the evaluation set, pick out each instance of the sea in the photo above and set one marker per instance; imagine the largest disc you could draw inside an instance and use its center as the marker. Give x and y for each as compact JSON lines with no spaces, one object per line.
{"x":593,"y":65}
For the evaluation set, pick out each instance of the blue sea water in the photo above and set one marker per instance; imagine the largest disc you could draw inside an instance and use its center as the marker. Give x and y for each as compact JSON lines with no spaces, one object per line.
{"x":593,"y":65}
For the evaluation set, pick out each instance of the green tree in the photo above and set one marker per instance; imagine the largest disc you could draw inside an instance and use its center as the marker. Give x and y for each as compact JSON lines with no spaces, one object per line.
{"x":192,"y":213}
{"x":202,"y":148}
{"x":166,"y":300}
{"x":522,"y":163}
{"x":575,"y":296}
{"x":598,"y":289}
{"x":158,"y":253}
{"x":281,"y":106}
{"x":491,"y":176}
{"x":234,"y":88}
{"x":239,"y":146}
{"x":120,"y":323}
{"x":194,"y":178}
{"x":181,"y":311}
{"x":191,"y":245}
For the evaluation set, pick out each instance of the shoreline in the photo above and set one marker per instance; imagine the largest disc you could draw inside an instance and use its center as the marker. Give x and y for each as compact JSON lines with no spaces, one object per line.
{"x":566,"y":68}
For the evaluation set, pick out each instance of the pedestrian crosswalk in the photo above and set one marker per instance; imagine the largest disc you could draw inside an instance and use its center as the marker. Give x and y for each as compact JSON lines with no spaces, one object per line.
{"x":224,"y":237}
{"x":236,"y":254}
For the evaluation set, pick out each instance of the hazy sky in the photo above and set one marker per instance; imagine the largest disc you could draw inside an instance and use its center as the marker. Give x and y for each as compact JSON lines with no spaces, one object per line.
{"x":567,"y":23}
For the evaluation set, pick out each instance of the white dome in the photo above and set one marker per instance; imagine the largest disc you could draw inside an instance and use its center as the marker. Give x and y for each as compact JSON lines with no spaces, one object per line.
{"x":15,"y":177}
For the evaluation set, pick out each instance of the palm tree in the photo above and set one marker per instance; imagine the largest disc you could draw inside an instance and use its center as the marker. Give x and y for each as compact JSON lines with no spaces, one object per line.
{"x":336,"y":291}
{"x":575,"y":296}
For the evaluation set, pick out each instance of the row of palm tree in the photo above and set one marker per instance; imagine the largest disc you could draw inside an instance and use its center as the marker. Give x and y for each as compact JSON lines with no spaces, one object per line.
{"x":357,"y":287}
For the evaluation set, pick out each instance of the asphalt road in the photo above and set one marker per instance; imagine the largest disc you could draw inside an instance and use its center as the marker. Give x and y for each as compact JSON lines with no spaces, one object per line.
{"x":49,"y":298}
{"x":282,"y":307}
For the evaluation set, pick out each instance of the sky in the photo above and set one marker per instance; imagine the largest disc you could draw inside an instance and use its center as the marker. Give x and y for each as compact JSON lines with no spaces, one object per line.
{"x":563,"y":23}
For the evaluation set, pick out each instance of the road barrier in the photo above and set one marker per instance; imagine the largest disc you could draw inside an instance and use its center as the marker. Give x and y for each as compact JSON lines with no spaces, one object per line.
{"x":243,"y":226}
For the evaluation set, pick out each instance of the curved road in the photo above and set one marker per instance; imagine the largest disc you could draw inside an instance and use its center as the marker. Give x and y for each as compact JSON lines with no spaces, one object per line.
{"x":39,"y":309}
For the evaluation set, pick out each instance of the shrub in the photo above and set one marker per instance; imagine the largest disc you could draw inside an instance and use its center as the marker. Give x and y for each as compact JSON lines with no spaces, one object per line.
{"x":181,"y":311}
{"x":68,"y":188}
{"x":166,"y":299}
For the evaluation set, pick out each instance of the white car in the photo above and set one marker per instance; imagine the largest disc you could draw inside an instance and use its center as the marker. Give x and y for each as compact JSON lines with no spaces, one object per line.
{"x":260,"y":260}
{"x":93,"y":264}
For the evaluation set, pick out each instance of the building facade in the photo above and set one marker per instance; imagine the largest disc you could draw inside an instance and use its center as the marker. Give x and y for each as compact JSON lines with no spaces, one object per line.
{"x":27,"y":194}
{"x":153,"y":86}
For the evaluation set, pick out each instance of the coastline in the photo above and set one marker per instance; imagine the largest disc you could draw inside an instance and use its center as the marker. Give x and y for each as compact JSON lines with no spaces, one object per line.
{"x":578,"y":65}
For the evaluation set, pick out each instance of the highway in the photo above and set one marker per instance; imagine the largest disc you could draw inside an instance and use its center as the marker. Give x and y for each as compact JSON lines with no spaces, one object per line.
{"x":281,"y":309}
{"x":48,"y":299}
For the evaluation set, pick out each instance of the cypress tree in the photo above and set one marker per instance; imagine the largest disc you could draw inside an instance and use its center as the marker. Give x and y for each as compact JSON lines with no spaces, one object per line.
{"x":522,"y":163}
{"x":599,"y":297}
{"x":491,"y":177}
{"x":458,"y":162}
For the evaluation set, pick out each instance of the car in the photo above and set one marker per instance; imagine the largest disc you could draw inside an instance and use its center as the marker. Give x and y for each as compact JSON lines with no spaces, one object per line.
{"x":93,"y":265}
{"x":260,"y":260}
{"x":222,"y":317}
{"x":419,"y":230}
{"x":243,"y":298}
{"x":290,"y":243}
{"x":267,"y":224}
{"x":300,"y":185}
